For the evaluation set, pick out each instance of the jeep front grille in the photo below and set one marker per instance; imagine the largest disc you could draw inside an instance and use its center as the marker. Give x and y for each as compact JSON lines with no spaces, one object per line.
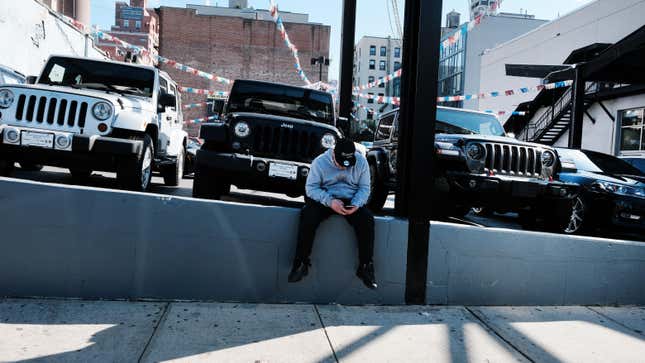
{"x":513,"y":160}
{"x":51,"y":110}
{"x":274,"y":141}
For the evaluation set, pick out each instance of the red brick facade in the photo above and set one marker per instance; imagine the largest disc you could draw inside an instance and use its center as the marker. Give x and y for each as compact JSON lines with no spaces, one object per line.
{"x":234,"y":47}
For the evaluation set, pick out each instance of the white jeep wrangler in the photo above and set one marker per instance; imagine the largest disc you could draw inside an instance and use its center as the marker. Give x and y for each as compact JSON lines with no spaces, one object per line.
{"x":86,"y":115}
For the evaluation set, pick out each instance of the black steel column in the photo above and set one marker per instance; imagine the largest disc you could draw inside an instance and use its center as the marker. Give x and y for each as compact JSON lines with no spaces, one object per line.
{"x":347,"y":58}
{"x":417,"y":132}
{"x":578,"y":110}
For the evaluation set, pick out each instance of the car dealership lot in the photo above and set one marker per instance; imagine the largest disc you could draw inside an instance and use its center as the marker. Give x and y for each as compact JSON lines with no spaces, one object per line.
{"x":108,"y":181}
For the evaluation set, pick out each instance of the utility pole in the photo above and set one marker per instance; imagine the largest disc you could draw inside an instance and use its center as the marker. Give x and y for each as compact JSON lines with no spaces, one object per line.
{"x":417,"y":136}
{"x":347,"y":62}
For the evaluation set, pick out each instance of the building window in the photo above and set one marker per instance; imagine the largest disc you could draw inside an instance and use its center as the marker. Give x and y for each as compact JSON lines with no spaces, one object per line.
{"x":381,"y":65}
{"x":137,"y":24}
{"x":370,"y":114}
{"x":370,"y":79}
{"x":383,"y":52}
{"x":381,"y":85}
{"x":126,"y":23}
{"x":397,"y":66}
{"x":397,"y":52}
{"x":632,"y":130}
{"x":372,"y":49}
{"x":371,"y":99}
{"x":372,"y":64}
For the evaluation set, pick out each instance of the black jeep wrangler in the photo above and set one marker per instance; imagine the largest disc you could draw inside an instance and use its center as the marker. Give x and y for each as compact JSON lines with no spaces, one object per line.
{"x":477,"y":166}
{"x":269,"y":135}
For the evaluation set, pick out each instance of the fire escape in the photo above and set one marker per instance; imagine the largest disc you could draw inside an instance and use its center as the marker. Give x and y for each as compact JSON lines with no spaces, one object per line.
{"x":556,"y":119}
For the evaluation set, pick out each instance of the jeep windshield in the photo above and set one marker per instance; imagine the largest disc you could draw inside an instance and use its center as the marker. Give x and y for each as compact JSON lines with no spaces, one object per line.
{"x":454,"y":121}
{"x":88,"y":74}
{"x":281,"y":100}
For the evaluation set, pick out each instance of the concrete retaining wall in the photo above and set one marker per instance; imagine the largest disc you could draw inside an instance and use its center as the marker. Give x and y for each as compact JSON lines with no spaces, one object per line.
{"x":83,"y":242}
{"x":475,"y":266}
{"x":60,"y":241}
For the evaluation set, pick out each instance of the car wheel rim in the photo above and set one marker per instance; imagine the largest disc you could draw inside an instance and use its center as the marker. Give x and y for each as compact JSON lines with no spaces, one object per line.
{"x":146,"y":168}
{"x":577,"y":217}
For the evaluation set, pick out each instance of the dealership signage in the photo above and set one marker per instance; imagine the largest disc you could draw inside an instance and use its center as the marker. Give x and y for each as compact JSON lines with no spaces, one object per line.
{"x":132,"y":13}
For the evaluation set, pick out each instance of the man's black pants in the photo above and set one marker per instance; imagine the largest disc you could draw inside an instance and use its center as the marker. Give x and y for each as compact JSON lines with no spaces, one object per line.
{"x":314,"y":213}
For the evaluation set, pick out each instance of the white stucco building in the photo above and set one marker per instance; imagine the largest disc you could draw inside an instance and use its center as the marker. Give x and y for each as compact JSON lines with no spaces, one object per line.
{"x":613,"y":126}
{"x":32,"y":31}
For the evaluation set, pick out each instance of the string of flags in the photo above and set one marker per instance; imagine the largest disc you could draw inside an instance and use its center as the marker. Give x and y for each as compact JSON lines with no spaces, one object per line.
{"x":494,"y":5}
{"x":197,"y":105}
{"x":509,"y":92}
{"x":193,"y":71}
{"x":197,"y":91}
{"x":383,"y":80}
{"x":202,"y":120}
{"x":285,"y":37}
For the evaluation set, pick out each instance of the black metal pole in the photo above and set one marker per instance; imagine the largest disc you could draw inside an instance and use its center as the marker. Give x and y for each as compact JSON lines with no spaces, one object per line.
{"x":347,"y":58}
{"x":320,"y":76}
{"x":578,"y":110}
{"x":417,"y":134}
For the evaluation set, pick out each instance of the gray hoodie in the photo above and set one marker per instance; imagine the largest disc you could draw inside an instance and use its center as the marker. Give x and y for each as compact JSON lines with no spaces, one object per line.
{"x":326,"y":181}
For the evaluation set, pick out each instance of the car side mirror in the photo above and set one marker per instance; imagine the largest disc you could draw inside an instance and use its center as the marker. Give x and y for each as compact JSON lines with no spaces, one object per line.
{"x":343,"y":125}
{"x":31,"y":80}
{"x":167,"y":100}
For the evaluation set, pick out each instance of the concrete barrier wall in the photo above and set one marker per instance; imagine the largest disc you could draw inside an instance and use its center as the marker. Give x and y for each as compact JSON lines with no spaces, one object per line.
{"x":475,"y":266}
{"x":59,"y":241}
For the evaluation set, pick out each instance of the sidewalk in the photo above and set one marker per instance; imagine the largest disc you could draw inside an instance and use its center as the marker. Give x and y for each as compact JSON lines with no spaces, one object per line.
{"x":84,"y":331}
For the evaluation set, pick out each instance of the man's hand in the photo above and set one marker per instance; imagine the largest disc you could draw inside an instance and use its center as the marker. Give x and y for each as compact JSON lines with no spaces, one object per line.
{"x":350,"y":210}
{"x":338,"y":207}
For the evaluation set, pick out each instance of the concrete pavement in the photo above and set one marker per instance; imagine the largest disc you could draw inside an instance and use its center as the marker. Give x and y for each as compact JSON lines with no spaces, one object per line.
{"x":98,"y":331}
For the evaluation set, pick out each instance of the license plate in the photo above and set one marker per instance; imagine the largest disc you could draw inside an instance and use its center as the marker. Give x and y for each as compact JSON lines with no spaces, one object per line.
{"x":283,"y":171}
{"x":525,"y":190}
{"x":38,"y":139}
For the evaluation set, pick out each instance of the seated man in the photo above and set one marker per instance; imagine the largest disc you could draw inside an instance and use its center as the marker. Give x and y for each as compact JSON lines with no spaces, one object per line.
{"x":338,"y":183}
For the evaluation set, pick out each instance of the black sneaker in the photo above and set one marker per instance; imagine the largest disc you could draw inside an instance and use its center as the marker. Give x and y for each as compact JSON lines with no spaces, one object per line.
{"x":299,"y":271}
{"x":365,"y":272}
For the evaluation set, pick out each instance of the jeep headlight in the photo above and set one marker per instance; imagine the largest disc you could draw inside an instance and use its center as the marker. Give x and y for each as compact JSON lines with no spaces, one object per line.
{"x":102,"y":111}
{"x":242,"y":129}
{"x":328,"y":141}
{"x":6,"y":98}
{"x":548,"y":159}
{"x":476,"y":152}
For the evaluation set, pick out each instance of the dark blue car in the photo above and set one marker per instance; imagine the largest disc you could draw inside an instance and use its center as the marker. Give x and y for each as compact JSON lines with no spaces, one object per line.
{"x":638,"y":163}
{"x":612,"y":194}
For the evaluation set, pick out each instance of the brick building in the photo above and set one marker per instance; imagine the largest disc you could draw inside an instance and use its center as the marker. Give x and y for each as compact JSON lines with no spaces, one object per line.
{"x":136,"y":24}
{"x":237,"y":42}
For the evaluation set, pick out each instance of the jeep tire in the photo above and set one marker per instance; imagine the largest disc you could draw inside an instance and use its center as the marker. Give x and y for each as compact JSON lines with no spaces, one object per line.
{"x":6,"y":167}
{"x":30,"y":166}
{"x":208,"y":185}
{"x":378,"y":191}
{"x":174,"y":173}
{"x":135,"y":173}
{"x":80,"y":174}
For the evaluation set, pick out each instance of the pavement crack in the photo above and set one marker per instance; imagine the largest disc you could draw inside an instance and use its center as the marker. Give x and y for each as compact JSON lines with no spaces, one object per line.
{"x":490,"y":327}
{"x":162,"y":320}
{"x":331,"y":346}
{"x":613,"y":320}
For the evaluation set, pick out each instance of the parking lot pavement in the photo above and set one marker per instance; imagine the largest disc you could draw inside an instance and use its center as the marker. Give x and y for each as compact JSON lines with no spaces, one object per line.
{"x":99,"y":331}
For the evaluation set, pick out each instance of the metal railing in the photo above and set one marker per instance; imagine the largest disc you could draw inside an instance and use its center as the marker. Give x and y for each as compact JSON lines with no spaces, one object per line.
{"x":551,"y":114}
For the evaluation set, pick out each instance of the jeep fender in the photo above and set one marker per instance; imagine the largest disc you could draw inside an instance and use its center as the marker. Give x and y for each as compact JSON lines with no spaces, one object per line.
{"x":134,"y":120}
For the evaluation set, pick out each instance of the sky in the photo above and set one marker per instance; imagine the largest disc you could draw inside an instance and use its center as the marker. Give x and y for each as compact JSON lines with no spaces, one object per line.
{"x":371,"y":18}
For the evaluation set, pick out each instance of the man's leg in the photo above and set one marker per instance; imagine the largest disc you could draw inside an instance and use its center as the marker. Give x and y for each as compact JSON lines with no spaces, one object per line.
{"x":312,"y":214}
{"x":363,"y":222}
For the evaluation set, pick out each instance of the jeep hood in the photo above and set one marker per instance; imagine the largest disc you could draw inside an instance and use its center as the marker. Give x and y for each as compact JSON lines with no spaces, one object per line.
{"x":120,"y":101}
{"x":485,"y":138}
{"x":279,"y":119}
